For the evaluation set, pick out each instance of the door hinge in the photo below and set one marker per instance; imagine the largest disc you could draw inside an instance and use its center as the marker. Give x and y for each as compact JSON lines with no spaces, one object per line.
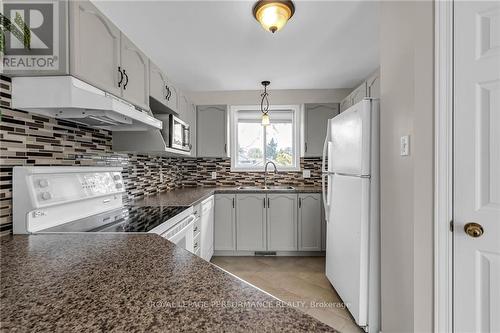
{"x":451,"y":225}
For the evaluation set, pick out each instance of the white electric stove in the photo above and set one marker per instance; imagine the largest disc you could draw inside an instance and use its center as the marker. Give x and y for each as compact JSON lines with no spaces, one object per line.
{"x":89,"y":199}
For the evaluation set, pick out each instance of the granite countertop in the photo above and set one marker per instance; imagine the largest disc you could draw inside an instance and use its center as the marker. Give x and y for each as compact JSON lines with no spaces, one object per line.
{"x":192,"y":195}
{"x":129,"y":282}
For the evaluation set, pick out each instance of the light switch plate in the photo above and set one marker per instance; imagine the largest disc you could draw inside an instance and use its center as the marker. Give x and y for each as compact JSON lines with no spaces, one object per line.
{"x":306,"y":173}
{"x":214,"y":174}
{"x":405,"y":145}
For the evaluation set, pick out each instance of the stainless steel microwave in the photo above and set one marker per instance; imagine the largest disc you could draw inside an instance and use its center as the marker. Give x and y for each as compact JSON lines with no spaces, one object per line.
{"x":176,"y":133}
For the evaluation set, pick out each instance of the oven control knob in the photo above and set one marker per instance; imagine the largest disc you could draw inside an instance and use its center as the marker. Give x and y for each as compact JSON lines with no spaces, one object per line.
{"x":117,"y":177}
{"x":46,"y":196}
{"x":119,"y":185}
{"x":43,"y":183}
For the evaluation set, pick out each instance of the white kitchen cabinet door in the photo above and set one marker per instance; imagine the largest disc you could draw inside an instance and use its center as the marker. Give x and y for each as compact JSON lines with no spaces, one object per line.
{"x":211,"y":130}
{"x":207,"y":228}
{"x":157,"y":84}
{"x":373,"y":85}
{"x":282,"y":222}
{"x":316,"y":122}
{"x":182,"y":111}
{"x":310,"y":222}
{"x":345,"y":104}
{"x":193,"y":126}
{"x":94,"y":47}
{"x":135,"y":67}
{"x":251,"y":222}
{"x":225,"y":222}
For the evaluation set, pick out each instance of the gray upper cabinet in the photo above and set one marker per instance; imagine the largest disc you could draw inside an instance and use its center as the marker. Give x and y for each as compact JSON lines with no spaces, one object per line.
{"x":310,"y":222}
{"x":369,"y":88}
{"x":135,"y":67}
{"x":225,"y":222}
{"x":157,"y":83}
{"x":211,"y":126}
{"x":251,"y":222}
{"x":282,"y":222}
{"x":95,"y":47}
{"x":316,"y":122}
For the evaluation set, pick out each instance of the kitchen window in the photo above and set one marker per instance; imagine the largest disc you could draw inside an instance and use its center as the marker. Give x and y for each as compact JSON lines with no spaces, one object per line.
{"x":253,"y":144}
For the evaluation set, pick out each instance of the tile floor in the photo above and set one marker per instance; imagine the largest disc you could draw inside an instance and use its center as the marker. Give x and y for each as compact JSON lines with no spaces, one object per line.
{"x":294,"y":279}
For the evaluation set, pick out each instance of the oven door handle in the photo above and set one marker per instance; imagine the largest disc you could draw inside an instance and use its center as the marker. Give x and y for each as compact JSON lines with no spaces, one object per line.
{"x":188,"y":224}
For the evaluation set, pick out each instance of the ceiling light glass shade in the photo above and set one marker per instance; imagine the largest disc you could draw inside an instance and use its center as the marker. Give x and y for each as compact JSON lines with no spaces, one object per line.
{"x":273,"y":15}
{"x":265,"y":119}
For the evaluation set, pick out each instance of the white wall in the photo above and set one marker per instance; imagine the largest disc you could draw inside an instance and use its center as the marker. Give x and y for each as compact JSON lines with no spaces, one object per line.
{"x":406,"y":44}
{"x":249,"y":97}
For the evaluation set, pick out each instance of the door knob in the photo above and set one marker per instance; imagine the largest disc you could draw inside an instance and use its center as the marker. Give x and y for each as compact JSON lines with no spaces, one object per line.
{"x":473,"y":229}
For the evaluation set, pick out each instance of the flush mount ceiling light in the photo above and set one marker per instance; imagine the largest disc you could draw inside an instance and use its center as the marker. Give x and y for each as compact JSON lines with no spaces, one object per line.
{"x":273,"y":14}
{"x":264,"y":104}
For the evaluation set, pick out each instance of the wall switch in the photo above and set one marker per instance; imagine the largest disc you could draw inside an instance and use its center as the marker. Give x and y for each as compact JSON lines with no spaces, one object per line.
{"x":214,"y":174}
{"x":306,"y":173}
{"x":405,"y":146}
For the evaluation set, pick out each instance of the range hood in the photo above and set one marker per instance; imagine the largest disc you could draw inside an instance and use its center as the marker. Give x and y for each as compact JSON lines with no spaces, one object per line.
{"x":66,"y":97}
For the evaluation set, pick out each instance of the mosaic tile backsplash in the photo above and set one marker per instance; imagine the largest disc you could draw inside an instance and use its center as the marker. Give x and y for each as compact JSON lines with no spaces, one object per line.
{"x":30,"y":139}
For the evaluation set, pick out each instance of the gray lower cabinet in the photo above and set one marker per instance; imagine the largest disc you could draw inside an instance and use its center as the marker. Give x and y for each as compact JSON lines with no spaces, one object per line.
{"x":316,"y":122}
{"x":94,"y":47}
{"x":373,"y":85}
{"x":251,"y":222}
{"x":225,"y":222}
{"x":282,"y":222}
{"x":135,"y":67}
{"x":310,"y":222}
{"x":211,"y":131}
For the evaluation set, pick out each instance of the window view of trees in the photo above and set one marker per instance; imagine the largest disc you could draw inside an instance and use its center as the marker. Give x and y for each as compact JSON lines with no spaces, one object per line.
{"x":278,"y":147}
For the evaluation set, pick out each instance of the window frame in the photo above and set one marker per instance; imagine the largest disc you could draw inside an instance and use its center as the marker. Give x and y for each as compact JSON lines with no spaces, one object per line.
{"x":233,"y":133}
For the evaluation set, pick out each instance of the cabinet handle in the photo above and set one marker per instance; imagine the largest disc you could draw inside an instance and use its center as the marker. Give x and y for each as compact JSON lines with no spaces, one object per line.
{"x":225,"y":147}
{"x":126,"y":82}
{"x":268,"y":203}
{"x":264,"y":202}
{"x":233,"y":202}
{"x":121,"y":76}
{"x":305,"y":146}
{"x":300,"y":202}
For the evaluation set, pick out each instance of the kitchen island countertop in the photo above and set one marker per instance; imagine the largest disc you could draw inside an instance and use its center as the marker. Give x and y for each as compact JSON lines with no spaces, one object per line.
{"x":130,"y":282}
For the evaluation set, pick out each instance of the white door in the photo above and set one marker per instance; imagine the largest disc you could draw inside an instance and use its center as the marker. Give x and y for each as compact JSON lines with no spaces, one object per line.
{"x":347,"y":242}
{"x":477,"y":167}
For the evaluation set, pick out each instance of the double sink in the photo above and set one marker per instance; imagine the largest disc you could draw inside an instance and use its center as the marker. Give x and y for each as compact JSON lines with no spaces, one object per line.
{"x":266,"y":188}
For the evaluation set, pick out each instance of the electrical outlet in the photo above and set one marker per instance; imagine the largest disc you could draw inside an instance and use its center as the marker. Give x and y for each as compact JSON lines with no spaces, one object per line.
{"x":405,"y":146}
{"x":306,"y":173}
{"x":214,"y":174}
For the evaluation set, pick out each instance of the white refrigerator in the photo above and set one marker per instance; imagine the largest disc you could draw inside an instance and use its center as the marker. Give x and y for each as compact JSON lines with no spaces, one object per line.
{"x":351,"y":201}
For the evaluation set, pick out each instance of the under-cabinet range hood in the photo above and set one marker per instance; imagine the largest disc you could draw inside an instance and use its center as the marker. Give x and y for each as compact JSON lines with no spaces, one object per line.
{"x":66,"y":97}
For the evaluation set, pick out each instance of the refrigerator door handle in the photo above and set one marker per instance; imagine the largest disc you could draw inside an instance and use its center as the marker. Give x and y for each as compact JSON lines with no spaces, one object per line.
{"x":325,"y":148}
{"x":325,"y":195}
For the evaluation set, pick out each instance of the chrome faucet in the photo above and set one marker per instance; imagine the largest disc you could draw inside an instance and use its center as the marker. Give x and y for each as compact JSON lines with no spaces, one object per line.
{"x":265,"y":172}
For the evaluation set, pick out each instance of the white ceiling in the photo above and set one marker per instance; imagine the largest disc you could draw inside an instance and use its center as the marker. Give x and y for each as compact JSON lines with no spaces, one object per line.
{"x":218,"y":45}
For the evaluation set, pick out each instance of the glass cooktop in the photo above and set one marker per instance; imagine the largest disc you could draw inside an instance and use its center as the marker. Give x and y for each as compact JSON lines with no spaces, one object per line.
{"x":125,"y":219}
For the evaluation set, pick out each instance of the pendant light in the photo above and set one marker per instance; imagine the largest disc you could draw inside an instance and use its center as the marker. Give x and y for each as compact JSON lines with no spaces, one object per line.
{"x":273,"y":14}
{"x":264,"y":104}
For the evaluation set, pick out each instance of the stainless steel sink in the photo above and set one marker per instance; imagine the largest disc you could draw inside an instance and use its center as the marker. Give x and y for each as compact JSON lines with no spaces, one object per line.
{"x":266,"y":188}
